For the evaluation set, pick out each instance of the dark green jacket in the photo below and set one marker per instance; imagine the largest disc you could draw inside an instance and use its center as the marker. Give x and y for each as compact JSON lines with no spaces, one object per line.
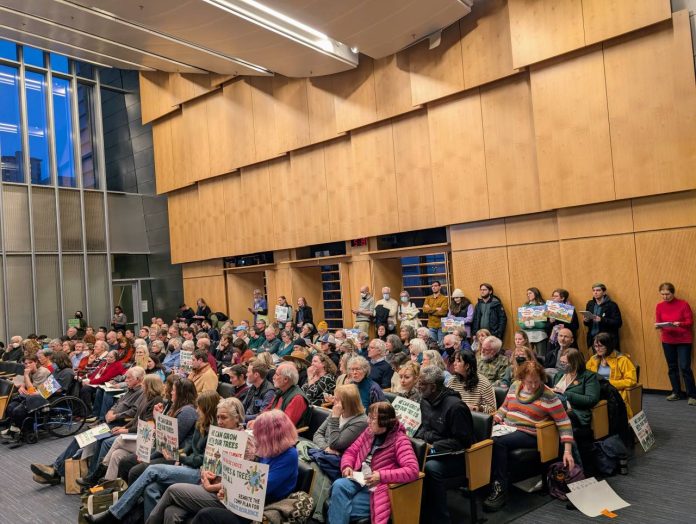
{"x":582,"y":394}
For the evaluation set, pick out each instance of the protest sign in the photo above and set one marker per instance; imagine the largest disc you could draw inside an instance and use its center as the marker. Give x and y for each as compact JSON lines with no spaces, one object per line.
{"x":560,"y":311}
{"x":48,"y":387}
{"x":223,"y":441}
{"x":88,"y":437}
{"x":245,"y":486}
{"x":409,"y":414}
{"x":641,"y":428}
{"x":352,"y":334}
{"x":167,"y":435}
{"x":145,"y":441}
{"x":186,"y":361}
{"x":528,"y":316}
{"x":449,"y":324}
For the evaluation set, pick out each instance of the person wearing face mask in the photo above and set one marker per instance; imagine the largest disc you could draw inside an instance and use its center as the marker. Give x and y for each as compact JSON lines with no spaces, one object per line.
{"x":390,"y":308}
{"x":15,"y":352}
{"x":407,"y":313}
{"x":577,"y":387}
{"x":365,"y":311}
{"x":519,"y":356}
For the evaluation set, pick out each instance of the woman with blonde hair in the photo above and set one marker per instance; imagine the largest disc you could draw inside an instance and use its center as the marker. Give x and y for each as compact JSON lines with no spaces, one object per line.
{"x":433,"y":358}
{"x":519,"y":356}
{"x":416,"y":348}
{"x":479,"y":337}
{"x":408,"y":377}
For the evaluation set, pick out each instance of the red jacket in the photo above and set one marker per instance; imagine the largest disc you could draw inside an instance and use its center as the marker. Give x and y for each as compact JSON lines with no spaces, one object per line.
{"x":106,"y":372}
{"x":675,"y":310}
{"x":394,"y":459}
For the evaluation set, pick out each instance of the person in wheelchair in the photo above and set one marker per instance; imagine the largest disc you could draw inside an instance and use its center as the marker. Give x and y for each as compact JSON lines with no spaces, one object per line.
{"x":34,"y":376}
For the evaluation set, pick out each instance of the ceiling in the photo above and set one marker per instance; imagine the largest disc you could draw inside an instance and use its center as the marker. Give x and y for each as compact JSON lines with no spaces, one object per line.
{"x":295,"y":38}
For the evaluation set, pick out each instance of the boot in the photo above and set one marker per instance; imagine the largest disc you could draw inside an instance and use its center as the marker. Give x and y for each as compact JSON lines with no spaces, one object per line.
{"x":497,"y":498}
{"x":105,"y":517}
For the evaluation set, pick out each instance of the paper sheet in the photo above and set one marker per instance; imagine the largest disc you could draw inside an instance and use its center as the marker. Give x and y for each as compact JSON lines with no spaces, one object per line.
{"x":501,"y":429}
{"x":593,"y":499}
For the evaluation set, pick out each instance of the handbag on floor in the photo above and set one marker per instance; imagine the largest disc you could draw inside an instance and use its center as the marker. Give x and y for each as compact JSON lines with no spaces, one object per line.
{"x":74,"y":469}
{"x":98,"y":500}
{"x":559,"y":477}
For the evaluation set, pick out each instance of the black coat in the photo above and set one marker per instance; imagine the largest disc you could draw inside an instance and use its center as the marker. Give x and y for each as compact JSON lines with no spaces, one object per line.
{"x":610,"y":320}
{"x":446,"y":422}
{"x":306,"y":313}
{"x":497,"y":320}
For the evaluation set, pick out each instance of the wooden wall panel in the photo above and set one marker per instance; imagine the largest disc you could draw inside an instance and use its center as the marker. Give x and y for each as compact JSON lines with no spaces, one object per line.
{"x":291,"y":112}
{"x":205,"y":268}
{"x":321,"y":109}
{"x":308,"y":174}
{"x":486,"y":45}
{"x":611,"y":260}
{"x":373,"y":161}
{"x":343,"y":191}
{"x":654,"y":267}
{"x":177,"y":225}
{"x":180,"y":153}
{"x":235,"y":204}
{"x":162,"y":148}
{"x":211,"y":216}
{"x":652,"y":135}
{"x":211,"y":289}
{"x":195,"y":242}
{"x":392,"y":86}
{"x":598,"y":220}
{"x":475,"y":235}
{"x":306,"y":282}
{"x":508,"y":131}
{"x":604,"y":19}
{"x":195,"y":122}
{"x":156,"y":95}
{"x":664,"y":211}
{"x":458,"y":162}
{"x":359,"y":274}
{"x":414,"y":183}
{"x":256,"y":225}
{"x":240,"y":292}
{"x":386,"y":272}
{"x":530,"y":229}
{"x":354,"y":91}
{"x":471,"y":268}
{"x":438,"y":72}
{"x":263,"y":107}
{"x":541,"y":29}
{"x":571,"y":126}
{"x":187,"y":86}
{"x":286,"y":190}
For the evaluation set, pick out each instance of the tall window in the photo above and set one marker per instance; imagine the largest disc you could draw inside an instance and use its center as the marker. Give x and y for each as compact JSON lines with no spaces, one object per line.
{"x":419,"y":273}
{"x":10,"y":127}
{"x":62,"y":122}
{"x":35,"y":87}
{"x":85,"y":107}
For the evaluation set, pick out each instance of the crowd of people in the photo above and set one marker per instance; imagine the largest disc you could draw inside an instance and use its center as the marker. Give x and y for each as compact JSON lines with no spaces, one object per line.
{"x":277,"y":368}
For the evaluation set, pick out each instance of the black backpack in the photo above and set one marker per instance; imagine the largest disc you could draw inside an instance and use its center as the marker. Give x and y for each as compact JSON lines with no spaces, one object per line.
{"x":618,"y":416}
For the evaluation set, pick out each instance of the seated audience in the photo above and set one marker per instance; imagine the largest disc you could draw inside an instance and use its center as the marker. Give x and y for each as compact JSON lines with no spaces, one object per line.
{"x":416,"y":348}
{"x":491,"y":362}
{"x":359,"y":374}
{"x":154,"y":367}
{"x":272,"y":344}
{"x":380,"y":370}
{"x":611,"y":365}
{"x":17,"y":410}
{"x":256,"y":338}
{"x":287,"y":343}
{"x":321,"y":379}
{"x":408,"y":381}
{"x":396,"y":361}
{"x":288,"y":397}
{"x":261,"y":391}
{"x":481,"y":335}
{"x":527,"y":403}
{"x":431,"y":357}
{"x":384,"y":454}
{"x":202,"y":376}
{"x":173,"y":356}
{"x":15,"y":351}
{"x":406,"y":334}
{"x":563,"y":340}
{"x":519,"y":356}
{"x":474,"y":389}
{"x":237,"y":378}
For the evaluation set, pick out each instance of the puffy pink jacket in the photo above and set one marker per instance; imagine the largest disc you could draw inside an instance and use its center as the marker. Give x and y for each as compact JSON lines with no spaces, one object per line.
{"x":395,"y":461}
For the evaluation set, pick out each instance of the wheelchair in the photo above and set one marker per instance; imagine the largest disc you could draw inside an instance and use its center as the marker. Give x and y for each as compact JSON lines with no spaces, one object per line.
{"x":61,"y":416}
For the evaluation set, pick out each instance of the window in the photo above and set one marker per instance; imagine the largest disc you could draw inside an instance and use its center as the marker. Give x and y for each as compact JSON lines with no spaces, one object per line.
{"x":33,"y":56}
{"x":62,"y":121}
{"x":8,"y":50}
{"x":418,"y":274}
{"x":84,"y":70}
{"x":10,"y":127}
{"x":85,"y":107}
{"x":35,"y":87}
{"x":59,"y":63}
{"x":331,"y":295}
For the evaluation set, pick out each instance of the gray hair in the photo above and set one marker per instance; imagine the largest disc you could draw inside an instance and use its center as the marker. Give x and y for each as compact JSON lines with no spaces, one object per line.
{"x":380,"y":345}
{"x":188,"y":345}
{"x":451,"y":338}
{"x":494,"y":342}
{"x":435,"y":359}
{"x":423,"y":331}
{"x":289,"y":371}
{"x":137,"y":373}
{"x":202,"y":334}
{"x":234,"y":408}
{"x":433,"y":375}
{"x":102,"y":344}
{"x":157,"y":343}
{"x":139,"y":342}
{"x":418,"y":344}
{"x":360,"y":361}
{"x":174,"y":343}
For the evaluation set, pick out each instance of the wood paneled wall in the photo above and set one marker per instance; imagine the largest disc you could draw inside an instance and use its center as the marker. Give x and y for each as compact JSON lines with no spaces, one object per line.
{"x":611,"y":121}
{"x":631,"y":246}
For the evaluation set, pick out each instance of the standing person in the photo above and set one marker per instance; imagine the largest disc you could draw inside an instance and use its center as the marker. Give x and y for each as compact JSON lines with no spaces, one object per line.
{"x":602,"y":315}
{"x":436,"y":307}
{"x":303,"y":315}
{"x":259,"y":307}
{"x":674,"y":319}
{"x":553,"y":326}
{"x":462,"y":309}
{"x":407,"y":313}
{"x":365,"y":311}
{"x":283,"y":311}
{"x":385,"y":311}
{"x":535,"y":329}
{"x":119,"y":320}
{"x":489,"y":313}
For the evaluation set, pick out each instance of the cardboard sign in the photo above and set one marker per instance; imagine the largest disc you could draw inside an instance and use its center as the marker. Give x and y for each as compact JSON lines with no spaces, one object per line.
{"x":145,"y":441}
{"x":74,"y":323}
{"x":281,"y":313}
{"x":641,"y":428}
{"x":352,"y":334}
{"x":449,"y":324}
{"x":48,"y":387}
{"x":223,"y":441}
{"x":167,"y":435}
{"x":90,"y":436}
{"x":531,"y":314}
{"x":559,"y":311}
{"x":186,"y":361}
{"x":409,"y":414}
{"x":594,"y":498}
{"x":245,"y":486}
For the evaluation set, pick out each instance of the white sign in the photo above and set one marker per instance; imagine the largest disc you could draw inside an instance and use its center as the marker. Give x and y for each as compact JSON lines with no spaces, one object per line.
{"x":90,"y":436}
{"x":223,"y":441}
{"x":595,"y":498}
{"x":167,"y":436}
{"x":145,"y":441}
{"x":245,"y":486}
{"x":281,"y":313}
{"x":352,"y":334}
{"x":640,"y":426}
{"x":143,"y":306}
{"x":409,"y":414}
{"x":186,"y":361}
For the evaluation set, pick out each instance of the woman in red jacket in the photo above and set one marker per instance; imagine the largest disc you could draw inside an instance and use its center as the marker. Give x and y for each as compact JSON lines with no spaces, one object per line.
{"x":104,"y":372}
{"x":381,"y":454}
{"x":674,"y":319}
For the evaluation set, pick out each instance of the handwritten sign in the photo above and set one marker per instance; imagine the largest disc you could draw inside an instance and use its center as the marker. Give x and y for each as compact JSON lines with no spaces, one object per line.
{"x":560,"y":311}
{"x":449,"y":324}
{"x":145,"y":441}
{"x":186,"y":361}
{"x":409,"y":414}
{"x":90,"y":436}
{"x":223,"y":441}
{"x":641,"y":428}
{"x":167,"y":435}
{"x":245,"y":486}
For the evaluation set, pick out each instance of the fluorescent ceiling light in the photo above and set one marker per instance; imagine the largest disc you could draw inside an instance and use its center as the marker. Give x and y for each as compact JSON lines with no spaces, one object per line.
{"x":283,"y":25}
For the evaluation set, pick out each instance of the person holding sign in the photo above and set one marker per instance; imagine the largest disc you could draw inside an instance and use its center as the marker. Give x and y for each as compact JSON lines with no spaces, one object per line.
{"x":562,"y":297}
{"x":534,"y":324}
{"x":461,"y":309}
{"x":275,"y":437}
{"x":182,"y":501}
{"x":157,"y":478}
{"x":382,"y":454}
{"x":446,"y":425}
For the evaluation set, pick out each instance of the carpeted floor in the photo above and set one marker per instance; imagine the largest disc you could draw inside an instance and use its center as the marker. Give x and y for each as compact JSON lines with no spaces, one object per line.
{"x":655,"y":487}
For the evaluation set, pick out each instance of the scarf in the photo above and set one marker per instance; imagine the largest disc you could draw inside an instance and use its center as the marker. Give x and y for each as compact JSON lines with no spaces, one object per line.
{"x":364,"y":388}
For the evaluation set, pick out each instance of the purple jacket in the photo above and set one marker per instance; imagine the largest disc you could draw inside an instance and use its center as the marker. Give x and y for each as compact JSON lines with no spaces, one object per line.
{"x":394,"y":460}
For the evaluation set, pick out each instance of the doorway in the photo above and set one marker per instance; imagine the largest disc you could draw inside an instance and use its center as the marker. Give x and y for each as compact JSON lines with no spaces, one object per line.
{"x":127,"y":296}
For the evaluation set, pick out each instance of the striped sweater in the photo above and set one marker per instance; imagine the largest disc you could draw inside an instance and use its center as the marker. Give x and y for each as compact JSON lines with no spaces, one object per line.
{"x":524,"y":411}
{"x":482,"y":396}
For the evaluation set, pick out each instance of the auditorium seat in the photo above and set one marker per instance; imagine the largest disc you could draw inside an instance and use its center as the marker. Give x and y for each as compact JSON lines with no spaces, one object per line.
{"x":225,"y":390}
{"x":527,"y":462}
